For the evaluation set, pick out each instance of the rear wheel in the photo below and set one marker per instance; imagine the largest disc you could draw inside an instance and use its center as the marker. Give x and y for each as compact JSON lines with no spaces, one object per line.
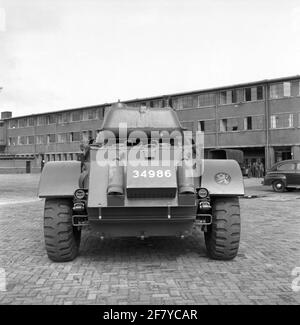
{"x":278,"y":186}
{"x":62,"y":240}
{"x":223,"y":235}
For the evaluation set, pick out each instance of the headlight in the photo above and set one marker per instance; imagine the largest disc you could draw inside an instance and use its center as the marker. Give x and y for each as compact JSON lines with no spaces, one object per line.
{"x":79,"y":194}
{"x":203,"y":193}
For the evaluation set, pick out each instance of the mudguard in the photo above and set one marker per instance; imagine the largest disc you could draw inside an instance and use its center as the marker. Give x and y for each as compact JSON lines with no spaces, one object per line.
{"x":59,"y":179}
{"x":213,"y":171}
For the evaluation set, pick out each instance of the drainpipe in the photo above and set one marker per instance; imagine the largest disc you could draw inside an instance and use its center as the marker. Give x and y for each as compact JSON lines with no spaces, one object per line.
{"x":267,"y":121}
{"x":216,"y":118}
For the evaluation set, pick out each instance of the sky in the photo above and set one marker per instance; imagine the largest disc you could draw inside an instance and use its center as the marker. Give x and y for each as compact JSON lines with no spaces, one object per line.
{"x":60,"y":54}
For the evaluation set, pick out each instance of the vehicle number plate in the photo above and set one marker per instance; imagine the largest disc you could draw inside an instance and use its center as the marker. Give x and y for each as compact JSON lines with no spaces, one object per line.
{"x":150,"y":173}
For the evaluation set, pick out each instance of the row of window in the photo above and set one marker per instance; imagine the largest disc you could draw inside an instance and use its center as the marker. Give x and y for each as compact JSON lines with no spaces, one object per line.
{"x":235,"y":96}
{"x":52,"y":138}
{"x":278,"y":121}
{"x":60,"y":118}
{"x":60,"y":156}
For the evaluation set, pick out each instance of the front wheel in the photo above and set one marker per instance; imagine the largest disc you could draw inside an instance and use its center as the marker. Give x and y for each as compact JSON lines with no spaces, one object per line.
{"x":223,"y":235}
{"x":278,"y":186}
{"x":62,"y":239}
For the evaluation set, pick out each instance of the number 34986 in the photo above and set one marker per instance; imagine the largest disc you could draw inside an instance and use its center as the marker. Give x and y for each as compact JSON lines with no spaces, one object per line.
{"x":152,"y":173}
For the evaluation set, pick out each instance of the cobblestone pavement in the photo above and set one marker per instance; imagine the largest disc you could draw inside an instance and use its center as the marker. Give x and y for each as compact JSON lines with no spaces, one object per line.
{"x":153,"y":271}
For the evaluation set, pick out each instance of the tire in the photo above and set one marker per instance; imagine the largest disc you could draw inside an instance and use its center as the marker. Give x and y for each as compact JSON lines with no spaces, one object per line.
{"x":278,"y":186}
{"x":62,"y":240}
{"x":223,"y":235}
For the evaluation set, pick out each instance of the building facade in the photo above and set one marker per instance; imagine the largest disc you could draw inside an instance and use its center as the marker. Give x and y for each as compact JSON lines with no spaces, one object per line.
{"x":261,"y":118}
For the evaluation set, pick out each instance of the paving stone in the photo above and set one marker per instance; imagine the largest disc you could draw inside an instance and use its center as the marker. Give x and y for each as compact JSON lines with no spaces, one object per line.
{"x":153,"y":271}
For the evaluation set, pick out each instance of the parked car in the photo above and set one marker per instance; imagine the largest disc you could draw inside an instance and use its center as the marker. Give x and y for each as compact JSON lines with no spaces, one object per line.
{"x":284,"y":175}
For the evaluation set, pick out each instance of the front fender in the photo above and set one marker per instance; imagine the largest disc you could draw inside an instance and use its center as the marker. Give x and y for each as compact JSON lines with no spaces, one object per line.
{"x":214,"y":166}
{"x":270,"y":178}
{"x":59,"y":179}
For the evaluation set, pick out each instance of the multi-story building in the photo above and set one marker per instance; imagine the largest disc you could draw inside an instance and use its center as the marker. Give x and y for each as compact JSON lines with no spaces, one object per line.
{"x":261,"y":118}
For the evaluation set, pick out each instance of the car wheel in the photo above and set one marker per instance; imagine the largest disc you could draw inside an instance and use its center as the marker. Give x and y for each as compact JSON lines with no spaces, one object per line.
{"x":62,"y":240}
{"x":278,"y":186}
{"x":223,"y":235}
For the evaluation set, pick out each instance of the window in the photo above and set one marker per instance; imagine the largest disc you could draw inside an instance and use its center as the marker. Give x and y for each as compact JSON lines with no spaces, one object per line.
{"x":206,"y":99}
{"x":51,"y":119}
{"x":30,"y":139}
{"x":201,"y":126}
{"x":231,"y":96}
{"x":223,"y":125}
{"x":41,"y":120}
{"x":260,"y":93}
{"x":177,"y":103}
{"x":22,"y":140}
{"x":156,"y":103}
{"x":75,"y":136}
{"x":298,"y":166}
{"x":253,"y":93}
{"x":286,"y":167}
{"x":227,"y":125}
{"x":12,"y":141}
{"x":234,"y":96}
{"x":90,"y":114}
{"x":281,"y":121}
{"x":63,"y":118}
{"x":280,"y":90}
{"x":87,"y":135}
{"x":40,"y":139}
{"x":13,"y":124}
{"x":248,"y":123}
{"x":275,"y":91}
{"x":207,"y":126}
{"x":31,"y":121}
{"x":247,"y":94}
{"x":22,"y":122}
{"x":62,"y":137}
{"x":287,"y":89}
{"x":187,"y":102}
{"x":253,"y":122}
{"x":51,"y":138}
{"x":226,"y":97}
{"x":76,"y":116}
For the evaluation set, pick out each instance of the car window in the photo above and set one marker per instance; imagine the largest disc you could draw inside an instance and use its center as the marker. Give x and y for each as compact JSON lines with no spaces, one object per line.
{"x":289,"y":166}
{"x":298,"y":166}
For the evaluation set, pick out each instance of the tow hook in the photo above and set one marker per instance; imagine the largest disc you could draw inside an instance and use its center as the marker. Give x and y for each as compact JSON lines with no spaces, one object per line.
{"x":78,"y":207}
{"x":204,"y":205}
{"x":203,"y":216}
